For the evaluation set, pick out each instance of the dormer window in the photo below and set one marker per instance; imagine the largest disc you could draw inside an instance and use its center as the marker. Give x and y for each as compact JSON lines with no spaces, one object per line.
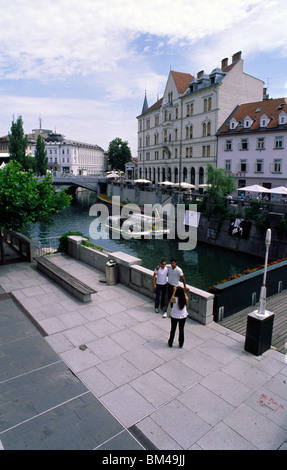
{"x":247,"y":122}
{"x":282,"y":118}
{"x":264,"y":120}
{"x":233,"y":124}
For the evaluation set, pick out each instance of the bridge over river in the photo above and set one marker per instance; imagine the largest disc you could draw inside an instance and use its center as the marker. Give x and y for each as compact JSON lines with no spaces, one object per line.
{"x":88,"y":182}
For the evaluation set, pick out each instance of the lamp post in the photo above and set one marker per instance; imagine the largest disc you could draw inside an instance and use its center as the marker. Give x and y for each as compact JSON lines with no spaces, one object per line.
{"x":260,"y":322}
{"x":262,"y":300}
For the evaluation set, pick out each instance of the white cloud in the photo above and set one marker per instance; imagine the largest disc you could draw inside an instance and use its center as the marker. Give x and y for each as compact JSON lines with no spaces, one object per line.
{"x":121,"y":48}
{"x":60,"y":38}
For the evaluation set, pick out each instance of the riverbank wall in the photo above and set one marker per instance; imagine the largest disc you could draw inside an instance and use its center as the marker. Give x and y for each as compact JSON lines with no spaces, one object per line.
{"x":216,"y":230}
{"x":220,"y":232}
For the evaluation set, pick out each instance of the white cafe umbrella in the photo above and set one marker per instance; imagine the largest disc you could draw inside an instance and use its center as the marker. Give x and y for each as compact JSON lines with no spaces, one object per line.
{"x":167,"y":183}
{"x":255,"y":188}
{"x":279,"y":190}
{"x":185,"y":185}
{"x":113,"y":175}
{"x":142,"y":181}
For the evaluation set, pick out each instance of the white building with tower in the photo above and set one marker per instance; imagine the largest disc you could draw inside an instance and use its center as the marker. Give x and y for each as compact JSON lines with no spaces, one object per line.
{"x":177,"y":134}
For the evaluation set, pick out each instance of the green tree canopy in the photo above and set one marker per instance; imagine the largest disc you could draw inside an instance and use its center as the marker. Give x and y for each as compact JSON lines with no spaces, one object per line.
{"x":119,"y":153}
{"x":41,"y":159}
{"x":220,"y":184}
{"x":18,"y":142}
{"x":25,"y":200}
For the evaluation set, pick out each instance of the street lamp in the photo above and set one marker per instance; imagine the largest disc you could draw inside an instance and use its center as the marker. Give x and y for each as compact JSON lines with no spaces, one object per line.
{"x":260,"y":322}
{"x":262,"y":300}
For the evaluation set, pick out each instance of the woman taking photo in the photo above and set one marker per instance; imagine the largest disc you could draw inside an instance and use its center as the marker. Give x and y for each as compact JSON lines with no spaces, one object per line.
{"x":178,"y":314}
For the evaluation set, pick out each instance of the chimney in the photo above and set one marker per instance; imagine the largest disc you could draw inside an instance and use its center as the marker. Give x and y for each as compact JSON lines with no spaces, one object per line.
{"x":200,"y":73}
{"x":236,"y":56}
{"x":265,"y":94}
{"x":224,"y":63}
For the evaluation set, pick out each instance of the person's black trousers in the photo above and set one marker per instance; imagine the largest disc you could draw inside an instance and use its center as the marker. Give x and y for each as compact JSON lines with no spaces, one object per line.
{"x":181,"y":323}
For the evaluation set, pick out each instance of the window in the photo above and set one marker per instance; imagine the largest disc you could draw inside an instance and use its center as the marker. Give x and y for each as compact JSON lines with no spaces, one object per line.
{"x":148,"y":123}
{"x":206,"y":129}
{"x":175,"y":134}
{"x":233,"y":124}
{"x":243,"y":166}
{"x":207,"y":104}
{"x":228,"y":166}
{"x":176,"y":113}
{"x":188,"y":152}
{"x":244,"y":144}
{"x":282,"y":118}
{"x":279,"y":142}
{"x":259,"y":166}
{"x":264,"y":120}
{"x":156,"y":120}
{"x":188,"y":132}
{"x":228,"y":145}
{"x":260,"y":143}
{"x":276,"y":166}
{"x":206,"y":150}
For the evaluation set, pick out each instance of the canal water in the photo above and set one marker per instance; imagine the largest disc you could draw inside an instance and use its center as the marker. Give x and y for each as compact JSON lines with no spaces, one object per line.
{"x":202,"y":267}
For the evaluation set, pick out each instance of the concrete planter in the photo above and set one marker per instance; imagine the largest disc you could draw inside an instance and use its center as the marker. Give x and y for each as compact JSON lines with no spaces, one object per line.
{"x":232,"y":296}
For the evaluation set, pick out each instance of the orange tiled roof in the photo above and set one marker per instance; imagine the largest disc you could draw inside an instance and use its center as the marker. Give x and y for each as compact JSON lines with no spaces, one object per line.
{"x":271,"y":108}
{"x":182,"y":80}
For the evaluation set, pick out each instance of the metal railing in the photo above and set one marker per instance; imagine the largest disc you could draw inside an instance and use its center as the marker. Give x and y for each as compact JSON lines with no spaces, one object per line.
{"x":46,"y":245}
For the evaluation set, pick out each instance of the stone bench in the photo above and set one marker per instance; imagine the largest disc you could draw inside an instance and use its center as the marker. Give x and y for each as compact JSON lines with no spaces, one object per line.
{"x":66,"y":280}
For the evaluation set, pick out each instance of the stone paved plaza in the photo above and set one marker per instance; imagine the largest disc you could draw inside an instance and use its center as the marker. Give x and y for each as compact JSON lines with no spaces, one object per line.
{"x":101,"y":375}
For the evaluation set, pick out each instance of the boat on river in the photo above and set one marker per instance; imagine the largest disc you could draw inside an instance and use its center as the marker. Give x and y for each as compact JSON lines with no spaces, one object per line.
{"x":138,"y":226}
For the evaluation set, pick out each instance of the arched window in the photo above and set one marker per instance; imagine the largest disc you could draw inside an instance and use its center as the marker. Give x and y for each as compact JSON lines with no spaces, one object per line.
{"x":176,"y":175}
{"x":184,"y":176}
{"x":204,"y":129}
{"x":201,"y":175}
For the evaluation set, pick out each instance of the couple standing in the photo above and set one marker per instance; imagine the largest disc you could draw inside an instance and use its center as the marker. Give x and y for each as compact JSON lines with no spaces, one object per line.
{"x":166,"y":279}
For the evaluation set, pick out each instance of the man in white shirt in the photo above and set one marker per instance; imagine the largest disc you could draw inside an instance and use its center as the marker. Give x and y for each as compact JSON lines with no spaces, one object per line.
{"x":160,"y":285}
{"x":175,"y":274}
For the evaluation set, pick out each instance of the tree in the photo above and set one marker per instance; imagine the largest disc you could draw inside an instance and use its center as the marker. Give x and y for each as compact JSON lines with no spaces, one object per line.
{"x":119,"y":153}
{"x":18,"y":142}
{"x":25,"y":200}
{"x":219,"y":184}
{"x":41,"y":159}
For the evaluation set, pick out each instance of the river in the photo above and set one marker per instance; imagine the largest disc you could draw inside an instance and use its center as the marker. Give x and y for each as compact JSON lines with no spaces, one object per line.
{"x":202,"y":267}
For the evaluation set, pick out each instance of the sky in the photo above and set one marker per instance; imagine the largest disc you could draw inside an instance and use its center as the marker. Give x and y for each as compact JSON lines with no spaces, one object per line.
{"x":83,"y":66}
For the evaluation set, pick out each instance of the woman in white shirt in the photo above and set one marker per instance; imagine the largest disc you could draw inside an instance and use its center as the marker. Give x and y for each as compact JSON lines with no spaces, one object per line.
{"x":178,"y":315}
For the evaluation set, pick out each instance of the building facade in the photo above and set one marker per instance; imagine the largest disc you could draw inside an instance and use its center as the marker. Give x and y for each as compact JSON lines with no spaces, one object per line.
{"x":70,"y":157}
{"x":64,"y":156}
{"x":252,"y":143}
{"x":177,"y":134}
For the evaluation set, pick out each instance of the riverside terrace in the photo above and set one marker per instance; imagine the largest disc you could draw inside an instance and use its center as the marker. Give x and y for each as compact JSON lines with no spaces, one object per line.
{"x":101,"y":375}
